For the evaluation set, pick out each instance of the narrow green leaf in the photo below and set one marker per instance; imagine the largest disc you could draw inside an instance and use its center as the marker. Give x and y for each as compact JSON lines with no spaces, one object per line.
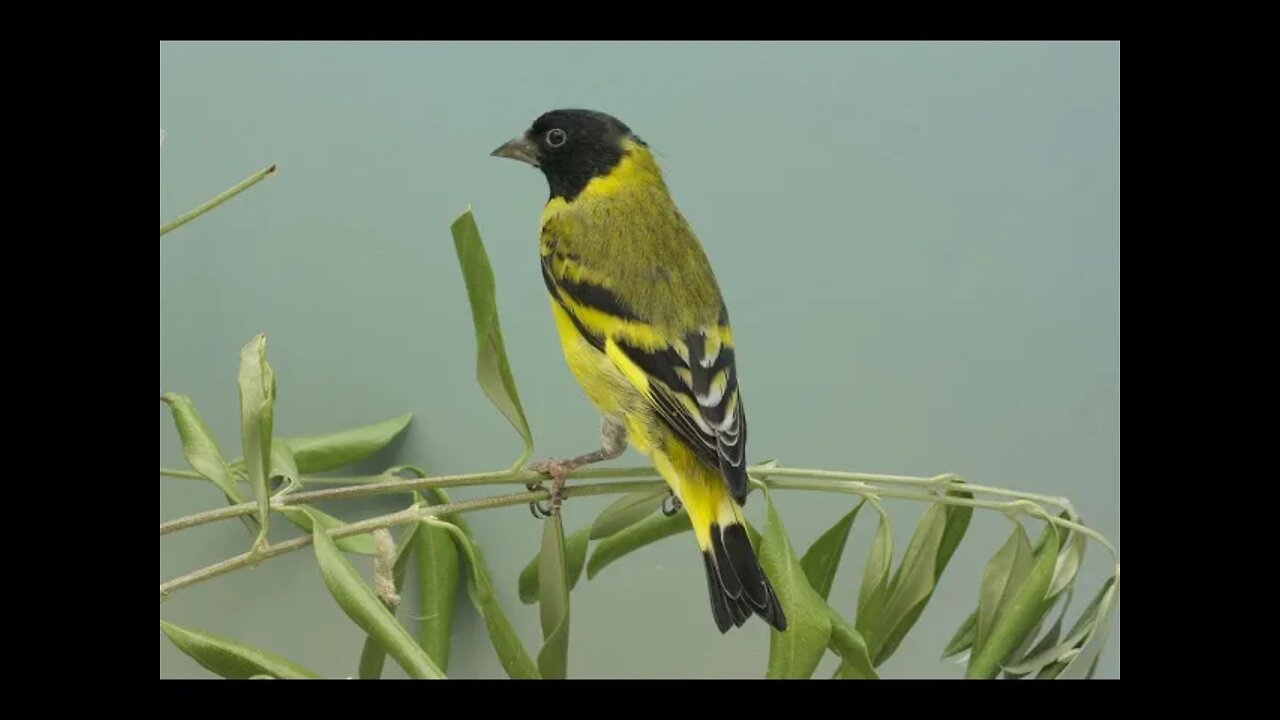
{"x":626,"y":511}
{"x":282,"y":464}
{"x":305,"y":517}
{"x":963,"y":639}
{"x":492,"y":369}
{"x":645,"y":532}
{"x":796,"y":652}
{"x":927,"y":555}
{"x":822,"y":559}
{"x":322,"y":453}
{"x":553,"y":601}
{"x":366,"y":610}
{"x":257,"y":409}
{"x":1070,"y":646}
{"x":1022,"y":666}
{"x":373,"y":655}
{"x":511,"y":652}
{"x":575,"y":557}
{"x":875,"y":575}
{"x":199,"y":447}
{"x":847,"y":642}
{"x":1004,"y":574}
{"x":1021,"y":607}
{"x":437,"y":563}
{"x":230,"y":659}
{"x":1082,"y":666}
{"x":1069,"y":562}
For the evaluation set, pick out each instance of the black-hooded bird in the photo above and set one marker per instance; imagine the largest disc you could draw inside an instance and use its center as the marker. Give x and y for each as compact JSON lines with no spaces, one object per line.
{"x":645,"y":331}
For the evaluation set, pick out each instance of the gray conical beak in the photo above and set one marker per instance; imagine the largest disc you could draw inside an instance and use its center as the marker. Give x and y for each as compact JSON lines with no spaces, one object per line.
{"x":518,"y":149}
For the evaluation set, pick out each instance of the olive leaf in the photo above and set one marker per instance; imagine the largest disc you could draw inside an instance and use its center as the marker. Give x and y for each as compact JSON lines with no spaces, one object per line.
{"x":848,"y":643}
{"x":230,"y":659}
{"x":575,"y":555}
{"x":875,"y":574}
{"x":257,"y":384}
{"x":553,"y":600}
{"x":796,"y":652}
{"x":626,"y":511}
{"x":369,"y":612}
{"x":322,"y":453}
{"x":625,"y":541}
{"x":1020,"y":603}
{"x":963,"y":638}
{"x":199,"y":447}
{"x":437,"y":559}
{"x":1052,"y":660}
{"x":939,"y":532}
{"x":511,"y":652}
{"x":822,"y":559}
{"x":492,"y":369}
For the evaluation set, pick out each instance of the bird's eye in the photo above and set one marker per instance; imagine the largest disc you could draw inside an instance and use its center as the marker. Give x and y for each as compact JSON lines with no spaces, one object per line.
{"x":556,"y":137}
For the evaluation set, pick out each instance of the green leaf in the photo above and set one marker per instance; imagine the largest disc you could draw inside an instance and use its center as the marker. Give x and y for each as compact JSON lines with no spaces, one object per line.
{"x":553,"y":597}
{"x":1085,"y":662}
{"x":940,"y":531}
{"x":1064,"y":651}
{"x":366,"y":610}
{"x":848,"y":644}
{"x":626,"y":511}
{"x":795,"y":653}
{"x":1069,"y":562}
{"x":511,"y":652}
{"x":492,"y":370}
{"x":963,"y":639}
{"x":282,"y":463}
{"x":822,"y":559}
{"x":647,"y":531}
{"x":1004,"y":573}
{"x":875,"y":574}
{"x":321,"y":453}
{"x":1021,"y":603}
{"x":232,"y":660}
{"x":373,"y":655}
{"x":257,"y":409}
{"x":575,"y":555}
{"x":199,"y":447}
{"x":305,"y":517}
{"x":437,"y":562}
{"x":1050,"y":639}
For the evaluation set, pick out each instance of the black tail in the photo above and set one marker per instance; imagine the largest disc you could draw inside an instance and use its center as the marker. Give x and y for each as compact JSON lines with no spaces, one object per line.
{"x":737,"y":583}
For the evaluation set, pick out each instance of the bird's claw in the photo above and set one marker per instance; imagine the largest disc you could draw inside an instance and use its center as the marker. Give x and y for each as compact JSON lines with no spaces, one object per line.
{"x":671,"y":505}
{"x":557,"y":470}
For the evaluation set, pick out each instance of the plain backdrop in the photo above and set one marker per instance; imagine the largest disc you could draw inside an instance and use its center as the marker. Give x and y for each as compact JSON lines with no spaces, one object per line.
{"x":919,"y":245}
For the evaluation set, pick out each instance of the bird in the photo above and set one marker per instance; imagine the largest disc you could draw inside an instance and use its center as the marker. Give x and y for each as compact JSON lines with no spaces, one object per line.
{"x":644,"y":330}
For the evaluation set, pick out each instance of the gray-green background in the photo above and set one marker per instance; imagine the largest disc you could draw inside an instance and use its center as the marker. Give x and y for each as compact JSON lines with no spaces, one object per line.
{"x":919,"y":245}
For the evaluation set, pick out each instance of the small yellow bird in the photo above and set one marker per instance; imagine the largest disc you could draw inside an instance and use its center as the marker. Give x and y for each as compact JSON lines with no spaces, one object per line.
{"x":645,"y":331}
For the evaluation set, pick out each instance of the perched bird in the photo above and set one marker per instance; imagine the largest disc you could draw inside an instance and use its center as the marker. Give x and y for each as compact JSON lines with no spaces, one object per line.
{"x":645,"y":331}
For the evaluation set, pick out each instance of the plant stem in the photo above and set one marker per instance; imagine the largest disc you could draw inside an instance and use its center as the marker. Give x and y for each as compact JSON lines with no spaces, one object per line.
{"x":939,"y":481}
{"x":392,"y":487}
{"x":174,"y":473}
{"x":218,"y":199}
{"x":404,"y":517}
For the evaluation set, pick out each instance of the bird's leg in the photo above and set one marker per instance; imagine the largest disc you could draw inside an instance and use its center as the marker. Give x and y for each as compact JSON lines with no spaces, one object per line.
{"x":613,"y":441}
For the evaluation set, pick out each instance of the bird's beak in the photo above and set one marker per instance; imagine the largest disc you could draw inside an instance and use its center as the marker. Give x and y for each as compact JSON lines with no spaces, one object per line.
{"x":518,"y":149}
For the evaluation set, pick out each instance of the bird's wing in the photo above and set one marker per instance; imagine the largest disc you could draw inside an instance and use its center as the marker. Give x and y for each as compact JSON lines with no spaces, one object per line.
{"x":690,"y":380}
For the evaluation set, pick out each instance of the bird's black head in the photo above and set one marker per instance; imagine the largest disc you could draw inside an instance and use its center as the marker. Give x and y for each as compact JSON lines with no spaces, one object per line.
{"x":571,"y":147}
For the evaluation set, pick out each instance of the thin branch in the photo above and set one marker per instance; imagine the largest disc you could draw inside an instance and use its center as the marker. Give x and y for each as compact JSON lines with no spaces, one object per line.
{"x":175,"y":473}
{"x":404,"y":517}
{"x":218,"y":199}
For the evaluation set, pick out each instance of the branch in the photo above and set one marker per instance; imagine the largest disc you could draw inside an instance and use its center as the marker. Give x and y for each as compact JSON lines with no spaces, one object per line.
{"x":404,"y":517}
{"x":218,"y":199}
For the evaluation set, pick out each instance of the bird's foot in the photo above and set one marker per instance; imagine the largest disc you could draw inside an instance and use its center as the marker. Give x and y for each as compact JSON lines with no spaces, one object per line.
{"x":557,"y":470}
{"x":671,"y":505}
